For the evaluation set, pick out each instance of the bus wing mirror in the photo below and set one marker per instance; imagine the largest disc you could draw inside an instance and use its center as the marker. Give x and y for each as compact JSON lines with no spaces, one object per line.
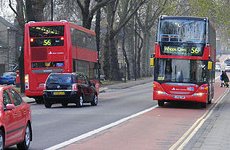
{"x":209,"y":65}
{"x":152,"y":60}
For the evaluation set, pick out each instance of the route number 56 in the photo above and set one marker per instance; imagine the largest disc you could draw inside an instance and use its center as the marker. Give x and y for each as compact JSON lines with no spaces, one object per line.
{"x":47,"y":42}
{"x":195,"y":50}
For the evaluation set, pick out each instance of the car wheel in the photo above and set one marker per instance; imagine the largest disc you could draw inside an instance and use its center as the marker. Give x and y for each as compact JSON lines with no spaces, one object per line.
{"x":64,"y":104}
{"x":80,"y":101}
{"x":47,"y":104}
{"x":161,"y":103}
{"x":1,"y":140}
{"x":25,"y":144}
{"x":95,"y":100}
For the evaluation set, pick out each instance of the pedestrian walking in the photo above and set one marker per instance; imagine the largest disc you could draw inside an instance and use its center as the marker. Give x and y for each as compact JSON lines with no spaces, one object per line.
{"x":224,"y":79}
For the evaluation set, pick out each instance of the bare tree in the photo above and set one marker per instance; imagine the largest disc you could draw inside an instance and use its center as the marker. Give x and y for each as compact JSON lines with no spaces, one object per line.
{"x":63,"y":10}
{"x":88,"y":10}
{"x":111,"y":66}
{"x":146,"y":18}
{"x":30,"y":10}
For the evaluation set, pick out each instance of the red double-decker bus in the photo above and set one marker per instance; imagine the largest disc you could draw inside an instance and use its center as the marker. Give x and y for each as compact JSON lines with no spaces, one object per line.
{"x":56,"y":46}
{"x":185,"y":55}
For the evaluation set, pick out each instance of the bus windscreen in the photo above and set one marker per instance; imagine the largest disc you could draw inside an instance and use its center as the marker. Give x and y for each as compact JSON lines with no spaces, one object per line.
{"x":182,"y":37}
{"x":46,"y":31}
{"x":178,"y":70}
{"x":176,"y":30}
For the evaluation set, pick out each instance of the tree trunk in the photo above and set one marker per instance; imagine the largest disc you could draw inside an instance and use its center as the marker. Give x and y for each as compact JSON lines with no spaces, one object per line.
{"x":106,"y":66}
{"x":97,"y":31}
{"x":115,"y":72}
{"x":111,"y":66}
{"x":37,"y":10}
{"x":127,"y":71}
{"x":29,"y":11}
{"x":144,"y":56}
{"x":139,"y":48}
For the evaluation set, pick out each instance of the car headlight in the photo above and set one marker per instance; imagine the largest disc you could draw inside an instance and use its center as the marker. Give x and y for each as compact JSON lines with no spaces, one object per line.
{"x":198,"y":94}
{"x":161,"y":92}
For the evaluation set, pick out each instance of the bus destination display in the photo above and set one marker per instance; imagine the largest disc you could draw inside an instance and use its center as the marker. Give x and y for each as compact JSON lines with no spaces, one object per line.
{"x":184,"y":51}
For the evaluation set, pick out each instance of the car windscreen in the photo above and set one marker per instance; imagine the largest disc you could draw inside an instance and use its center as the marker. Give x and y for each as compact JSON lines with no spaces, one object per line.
{"x":60,"y":79}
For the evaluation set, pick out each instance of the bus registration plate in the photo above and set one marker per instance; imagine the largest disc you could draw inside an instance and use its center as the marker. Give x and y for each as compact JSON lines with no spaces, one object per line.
{"x":59,"y":93}
{"x":179,"y":97}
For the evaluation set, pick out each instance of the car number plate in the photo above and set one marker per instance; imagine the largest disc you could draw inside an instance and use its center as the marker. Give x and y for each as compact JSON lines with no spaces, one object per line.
{"x":58,"y":93}
{"x":179,"y":97}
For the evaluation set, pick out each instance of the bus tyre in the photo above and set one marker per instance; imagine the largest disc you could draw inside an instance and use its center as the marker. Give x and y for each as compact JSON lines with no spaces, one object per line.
{"x":1,"y":140}
{"x":25,"y":144}
{"x":95,"y":100}
{"x":160,"y":103}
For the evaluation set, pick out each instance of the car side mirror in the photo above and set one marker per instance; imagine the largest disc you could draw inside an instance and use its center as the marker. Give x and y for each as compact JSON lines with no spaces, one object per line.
{"x":10,"y":106}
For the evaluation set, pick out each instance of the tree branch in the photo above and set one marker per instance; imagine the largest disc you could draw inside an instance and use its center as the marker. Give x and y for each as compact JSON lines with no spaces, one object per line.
{"x":81,"y":6}
{"x":99,"y":5}
{"x":129,"y":17}
{"x":10,"y":5}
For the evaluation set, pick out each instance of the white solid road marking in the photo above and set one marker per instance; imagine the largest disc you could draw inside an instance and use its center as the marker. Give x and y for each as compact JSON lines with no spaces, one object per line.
{"x":195,"y":127}
{"x":83,"y":136}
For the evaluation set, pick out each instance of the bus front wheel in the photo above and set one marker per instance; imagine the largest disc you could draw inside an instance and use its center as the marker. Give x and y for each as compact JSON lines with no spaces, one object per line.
{"x":160,"y":103}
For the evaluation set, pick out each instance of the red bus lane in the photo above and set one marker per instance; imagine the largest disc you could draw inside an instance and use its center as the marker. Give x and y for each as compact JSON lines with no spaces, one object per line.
{"x":159,"y":128}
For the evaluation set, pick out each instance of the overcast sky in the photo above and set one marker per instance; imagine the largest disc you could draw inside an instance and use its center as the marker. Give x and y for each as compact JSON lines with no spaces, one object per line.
{"x":5,"y":10}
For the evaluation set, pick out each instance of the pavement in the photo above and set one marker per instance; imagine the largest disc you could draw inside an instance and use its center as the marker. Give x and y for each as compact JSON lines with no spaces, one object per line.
{"x":214,"y":134}
{"x":104,"y":88}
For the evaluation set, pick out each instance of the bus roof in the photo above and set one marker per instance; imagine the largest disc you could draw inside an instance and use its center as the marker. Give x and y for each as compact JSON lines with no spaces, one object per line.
{"x":58,"y":23}
{"x":183,"y":17}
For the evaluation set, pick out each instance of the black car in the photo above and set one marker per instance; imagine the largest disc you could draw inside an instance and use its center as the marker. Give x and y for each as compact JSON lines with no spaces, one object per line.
{"x":67,"y":88}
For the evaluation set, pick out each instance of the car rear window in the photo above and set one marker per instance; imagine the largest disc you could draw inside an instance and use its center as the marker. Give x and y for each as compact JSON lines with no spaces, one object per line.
{"x":60,"y":79}
{"x":9,"y":74}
